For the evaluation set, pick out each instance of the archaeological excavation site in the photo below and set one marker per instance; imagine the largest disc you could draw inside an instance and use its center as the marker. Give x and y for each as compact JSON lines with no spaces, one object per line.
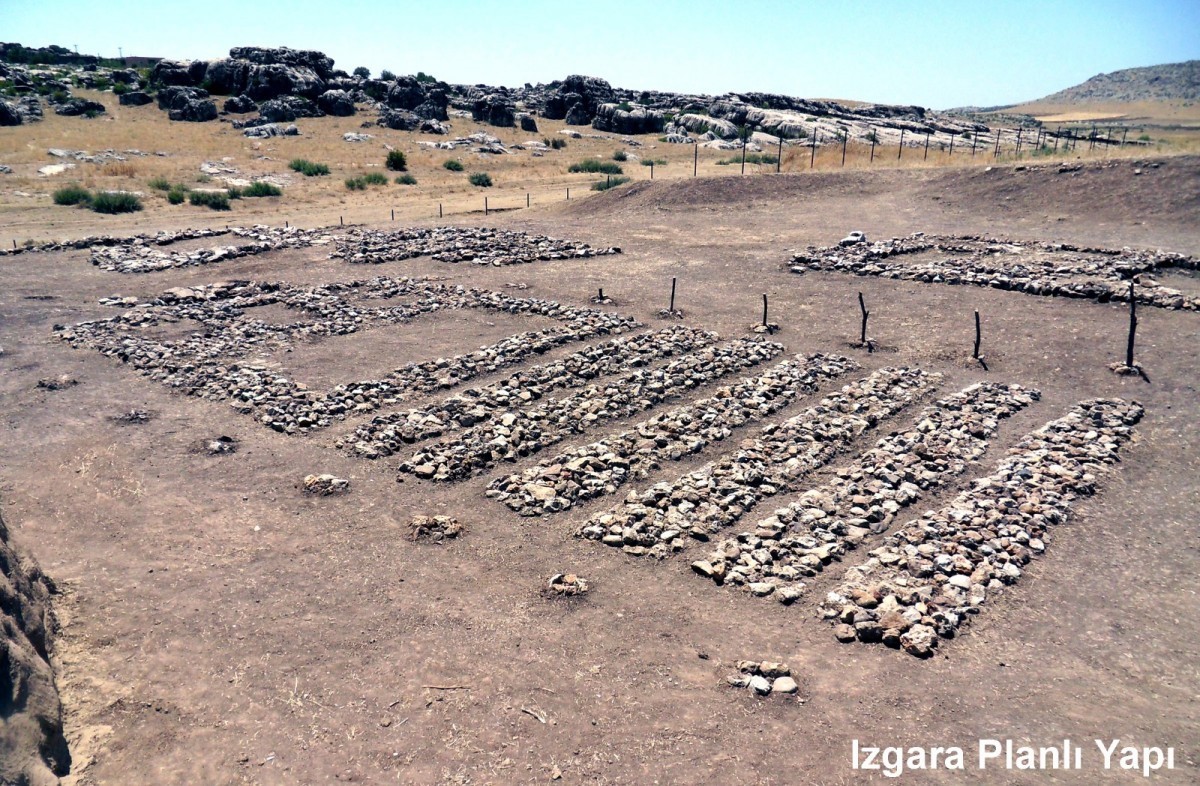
{"x":379,"y":429}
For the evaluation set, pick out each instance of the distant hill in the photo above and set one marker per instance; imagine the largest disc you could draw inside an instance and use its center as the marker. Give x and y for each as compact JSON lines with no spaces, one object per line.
{"x":1169,"y":82}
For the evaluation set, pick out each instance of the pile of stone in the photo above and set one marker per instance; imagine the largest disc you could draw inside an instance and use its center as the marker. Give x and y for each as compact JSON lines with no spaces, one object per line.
{"x":481,"y":245}
{"x":61,"y":382}
{"x":386,"y":434}
{"x":763,"y":678}
{"x":928,"y":578}
{"x":433,"y":529}
{"x":325,"y":485}
{"x":143,"y":255}
{"x":203,"y":364}
{"x":1033,"y":268}
{"x":567,"y":585}
{"x":221,"y":446}
{"x":514,"y":434}
{"x":159,"y":238}
{"x":716,"y":496}
{"x":865,"y":497}
{"x":603,"y":466}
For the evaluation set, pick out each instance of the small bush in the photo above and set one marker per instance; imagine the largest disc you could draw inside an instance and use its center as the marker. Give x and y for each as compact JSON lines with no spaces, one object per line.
{"x":215,"y":200}
{"x":386,"y":75}
{"x":375,"y":179}
{"x":72,"y":195}
{"x":362,"y":72}
{"x":176,"y":196}
{"x":620,"y":155}
{"x":159,"y":184}
{"x":396,"y":161}
{"x":654,"y":161}
{"x":116,"y":202}
{"x":234,"y":192}
{"x":406,"y":180}
{"x":608,"y":183}
{"x":356,"y":183}
{"x":1144,"y":138}
{"x":261,"y":188}
{"x":203,"y":178}
{"x":481,"y":179}
{"x":593,"y":165}
{"x":751,"y":158}
{"x":120,"y":89}
{"x":454,"y":165}
{"x":558,"y":144}
{"x":308,"y":168}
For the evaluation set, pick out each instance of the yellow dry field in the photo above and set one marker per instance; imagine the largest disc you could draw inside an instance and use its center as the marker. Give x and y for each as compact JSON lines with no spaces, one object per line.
{"x":1151,"y":114}
{"x":27,"y":211}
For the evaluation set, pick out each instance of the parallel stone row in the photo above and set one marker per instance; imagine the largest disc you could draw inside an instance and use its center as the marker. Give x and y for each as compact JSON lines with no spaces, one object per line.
{"x":481,"y":245}
{"x":512,"y":435}
{"x":603,"y":466}
{"x":865,"y":496}
{"x":703,"y":502}
{"x":1057,"y":270}
{"x":204,"y":363}
{"x":930,"y":577}
{"x":158,"y":238}
{"x":388,"y":433}
{"x":144,"y":255}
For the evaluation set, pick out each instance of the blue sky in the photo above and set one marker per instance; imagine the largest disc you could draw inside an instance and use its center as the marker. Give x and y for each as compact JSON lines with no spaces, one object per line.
{"x":935,"y":54}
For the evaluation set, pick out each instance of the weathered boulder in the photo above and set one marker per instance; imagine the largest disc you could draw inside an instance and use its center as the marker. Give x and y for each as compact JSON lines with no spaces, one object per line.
{"x":135,"y":98}
{"x":194,"y":110}
{"x":434,"y":105}
{"x":578,"y":115}
{"x":317,"y":62}
{"x":276,"y":79}
{"x":31,"y":735}
{"x":240,"y":105}
{"x":336,"y":102}
{"x":398,"y":119}
{"x":75,"y":107}
{"x":176,"y":97}
{"x":494,"y":109}
{"x":228,"y":76}
{"x":637,"y":120}
{"x":175,"y":72}
{"x":701,"y":124}
{"x":9,"y":116}
{"x":527,"y":122}
{"x":268,"y":130}
{"x":406,"y":93}
{"x":288,"y":108}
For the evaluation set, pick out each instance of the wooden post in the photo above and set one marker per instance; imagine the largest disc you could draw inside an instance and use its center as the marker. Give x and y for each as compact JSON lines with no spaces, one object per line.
{"x":1124,"y":132}
{"x":873,"y":136}
{"x":1019,"y":130}
{"x":439,"y":209}
{"x":996,"y":152}
{"x":695,"y":158}
{"x":651,"y":170}
{"x":812,"y":160}
{"x":601,"y":294}
{"x":845,"y":139}
{"x":764,"y":309}
{"x":779,"y":158}
{"x":1057,"y":134}
{"x":568,"y":193}
{"x":900,"y":152}
{"x":743,"y":151}
{"x":1132,"y":326}
{"x":952,"y":145}
{"x":672,"y":307}
{"x":863,"y":306}
{"x":14,"y":244}
{"x":341,"y":221}
{"x":485,"y":206}
{"x":393,"y":214}
{"x":285,"y":225}
{"x":526,"y":199}
{"x":927,"y":133}
{"x":975,"y":354}
{"x":974,"y":142}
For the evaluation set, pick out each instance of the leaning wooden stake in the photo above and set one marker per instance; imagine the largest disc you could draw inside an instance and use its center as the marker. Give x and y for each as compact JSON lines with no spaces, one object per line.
{"x":764,"y":309}
{"x":672,"y":308}
{"x":862,"y":304}
{"x":978,"y":341}
{"x":1132,"y":326}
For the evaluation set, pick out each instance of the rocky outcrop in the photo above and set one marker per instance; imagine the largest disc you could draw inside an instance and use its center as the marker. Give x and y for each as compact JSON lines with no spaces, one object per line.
{"x":1168,"y":82}
{"x":636,"y":120}
{"x":287,"y":108}
{"x":76,"y":107}
{"x":336,"y":102}
{"x":194,"y":110}
{"x":9,"y":116}
{"x":177,"y":97}
{"x":495,"y":110}
{"x":240,"y":105}
{"x":32,"y":747}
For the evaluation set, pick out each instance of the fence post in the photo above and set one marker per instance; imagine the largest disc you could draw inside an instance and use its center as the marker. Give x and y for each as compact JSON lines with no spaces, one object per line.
{"x":526,"y":199}
{"x":1124,"y":132}
{"x":900,"y":152}
{"x":872,"y":134}
{"x":743,"y":152}
{"x":439,"y":209}
{"x":485,"y":206}
{"x":672,"y":307}
{"x":779,"y":158}
{"x":568,"y":193}
{"x":845,"y":139}
{"x":996,"y":152}
{"x":651,"y":170}
{"x":952,"y":145}
{"x":974,"y":142}
{"x":695,"y":158}
{"x":812,"y":161}
{"x":926,"y":158}
{"x":1019,"y":130}
{"x":393,"y":214}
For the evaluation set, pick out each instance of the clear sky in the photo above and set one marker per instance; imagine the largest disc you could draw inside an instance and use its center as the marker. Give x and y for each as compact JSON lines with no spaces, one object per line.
{"x":935,"y":54}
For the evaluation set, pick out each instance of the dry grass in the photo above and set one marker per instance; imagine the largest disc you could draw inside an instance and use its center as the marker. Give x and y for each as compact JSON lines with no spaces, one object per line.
{"x":325,"y":200}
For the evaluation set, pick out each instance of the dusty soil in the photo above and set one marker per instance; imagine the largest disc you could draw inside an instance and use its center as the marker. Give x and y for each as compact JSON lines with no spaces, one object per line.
{"x":219,"y":626}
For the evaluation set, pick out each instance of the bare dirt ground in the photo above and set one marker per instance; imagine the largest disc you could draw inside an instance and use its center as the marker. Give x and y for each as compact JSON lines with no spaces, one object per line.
{"x":221,"y":627}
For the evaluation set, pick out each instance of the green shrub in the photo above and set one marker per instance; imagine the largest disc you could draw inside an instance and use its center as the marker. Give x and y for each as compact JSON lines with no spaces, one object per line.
{"x":620,"y":155}
{"x":396,"y":161}
{"x":406,"y":180}
{"x":216,"y":200}
{"x":454,"y":165}
{"x":72,"y":195}
{"x":356,"y":183}
{"x":261,"y":188}
{"x":308,"y":168}
{"x":1144,"y":138}
{"x":120,"y":89}
{"x":234,"y":192}
{"x":481,"y":179}
{"x":176,"y":196}
{"x":386,"y":75}
{"x":608,"y":183}
{"x":654,"y":162}
{"x":751,"y":158}
{"x":159,"y":184}
{"x":594,"y":165}
{"x":375,"y":179}
{"x":116,"y":202}
{"x":362,"y":72}
{"x":558,"y":144}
